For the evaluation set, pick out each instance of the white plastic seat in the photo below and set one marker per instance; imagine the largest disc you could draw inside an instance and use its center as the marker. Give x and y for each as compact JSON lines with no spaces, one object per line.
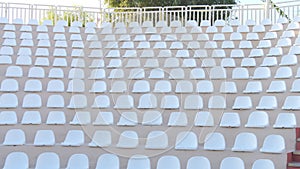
{"x":74,"y":138}
{"x":56,"y":117}
{"x":285,"y":120}
{"x":264,"y":44}
{"x":208,"y":62}
{"x":147,"y":101}
{"x":258,"y":119}
{"x":228,"y":62}
{"x":196,"y":161}
{"x":44,"y":138}
{"x":248,"y":62}
{"x":77,"y":101}
{"x":14,"y":71}
{"x":204,"y":119}
{"x":33,"y":85}
{"x":104,"y":118}
{"x":232,"y":163}
{"x":108,"y":161}
{"x":269,"y":61}
{"x":217,"y":73}
{"x":32,"y":101}
{"x":184,"y":86}
{"x":152,"y":118}
{"x":178,"y":119}
{"x":267,"y":103}
{"x":78,"y":161}
{"x":203,"y":37}
{"x":81,"y":118}
{"x":118,"y":87}
{"x":138,"y":161}
{"x":236,"y":36}
{"x":186,"y":140}
{"x":230,"y":120}
{"x":218,"y":53}
{"x":116,"y":74}
{"x":76,"y":86}
{"x":291,"y":103}
{"x":214,"y":141}
{"x":128,"y":139}
{"x":242,"y":103}
{"x":16,"y":159}
{"x":283,"y":73}
{"x":31,"y":117}
{"x":36,"y":72}
{"x":228,"y":87}
{"x":227,"y":44}
{"x":14,"y":137}
{"x":136,"y":73}
{"x":193,"y":102}
{"x":157,"y":140}
{"x":273,"y":144}
{"x":8,"y":118}
{"x":8,"y":100}
{"x":101,"y":138}
{"x":42,"y":52}
{"x":205,"y":86}
{"x":295,"y":86}
{"x":237,"y":53}
{"x":261,"y":73}
{"x":250,"y":37}
{"x":275,"y":51}
{"x":217,"y":102}
{"x":128,"y":119}
{"x":270,"y":35}
{"x":169,"y":102}
{"x":284,"y":42}
{"x":240,"y":73}
{"x":277,"y":87}
{"x":263,"y":163}
{"x":168,"y":162}
{"x":200,"y":53}
{"x":245,"y":142}
{"x":48,"y":160}
{"x":98,"y":87}
{"x":56,"y":73}
{"x":9,"y":85}
{"x":76,"y":73}
{"x":197,"y":73}
{"x":124,"y":102}
{"x":97,"y":74}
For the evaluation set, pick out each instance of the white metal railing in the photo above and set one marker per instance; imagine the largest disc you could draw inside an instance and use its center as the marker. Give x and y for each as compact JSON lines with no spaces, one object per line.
{"x":242,"y":12}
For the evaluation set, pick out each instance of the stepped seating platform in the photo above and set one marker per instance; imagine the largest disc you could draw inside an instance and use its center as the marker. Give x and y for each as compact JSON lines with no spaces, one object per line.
{"x":154,"y":95}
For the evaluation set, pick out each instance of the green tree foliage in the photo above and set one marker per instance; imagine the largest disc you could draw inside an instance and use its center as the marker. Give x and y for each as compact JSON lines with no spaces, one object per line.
{"x":74,"y":14}
{"x":145,"y":3}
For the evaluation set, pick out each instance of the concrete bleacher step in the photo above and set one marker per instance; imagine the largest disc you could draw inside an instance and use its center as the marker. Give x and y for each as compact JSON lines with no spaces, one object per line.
{"x":294,"y":157}
{"x":294,"y":165}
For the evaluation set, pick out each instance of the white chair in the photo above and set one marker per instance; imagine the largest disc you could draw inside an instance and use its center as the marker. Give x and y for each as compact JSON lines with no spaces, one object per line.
{"x":270,"y":141}
{"x":248,"y":62}
{"x":128,"y":139}
{"x":8,"y":118}
{"x":285,"y":120}
{"x":16,"y":159}
{"x":118,"y":87}
{"x":78,"y":161}
{"x":228,"y":87}
{"x":124,"y":102}
{"x":56,"y":117}
{"x":23,"y":60}
{"x":9,"y":85}
{"x":147,"y":101}
{"x":217,"y":73}
{"x":101,"y":101}
{"x":141,"y":86}
{"x":31,"y":117}
{"x":152,"y":118}
{"x":193,"y":102}
{"x":44,"y":138}
{"x":176,"y":74}
{"x":197,"y":73}
{"x":81,"y":118}
{"x":157,"y":140}
{"x":178,"y":119}
{"x":97,"y":74}
{"x":186,"y":140}
{"x":204,"y":119}
{"x":261,"y":73}
{"x":267,"y":103}
{"x":116,"y":74}
{"x":33,"y":85}
{"x":14,"y":137}
{"x":168,"y":162}
{"x":196,"y":161}
{"x":242,"y":103}
{"x":101,"y":138}
{"x":8,"y":100}
{"x":258,"y":119}
{"x":277,"y":87}
{"x":48,"y":160}
{"x":240,"y":73}
{"x":184,"y":86}
{"x":74,"y":138}
{"x":56,"y":73}
{"x":14,"y":71}
{"x":263,"y":163}
{"x":77,"y":101}
{"x":108,"y":161}
{"x":232,"y":163}
{"x":245,"y":142}
{"x":217,"y":102}
{"x":253,"y":87}
{"x":295,"y":86}
{"x":55,"y":86}
{"x":138,"y":161}
{"x":76,"y":86}
{"x":32,"y":101}
{"x":228,"y":62}
{"x":169,"y":102}
{"x":230,"y":120}
{"x":283,"y":73}
{"x":291,"y":103}
{"x":214,"y":141}
{"x":104,"y":118}
{"x":128,"y":119}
